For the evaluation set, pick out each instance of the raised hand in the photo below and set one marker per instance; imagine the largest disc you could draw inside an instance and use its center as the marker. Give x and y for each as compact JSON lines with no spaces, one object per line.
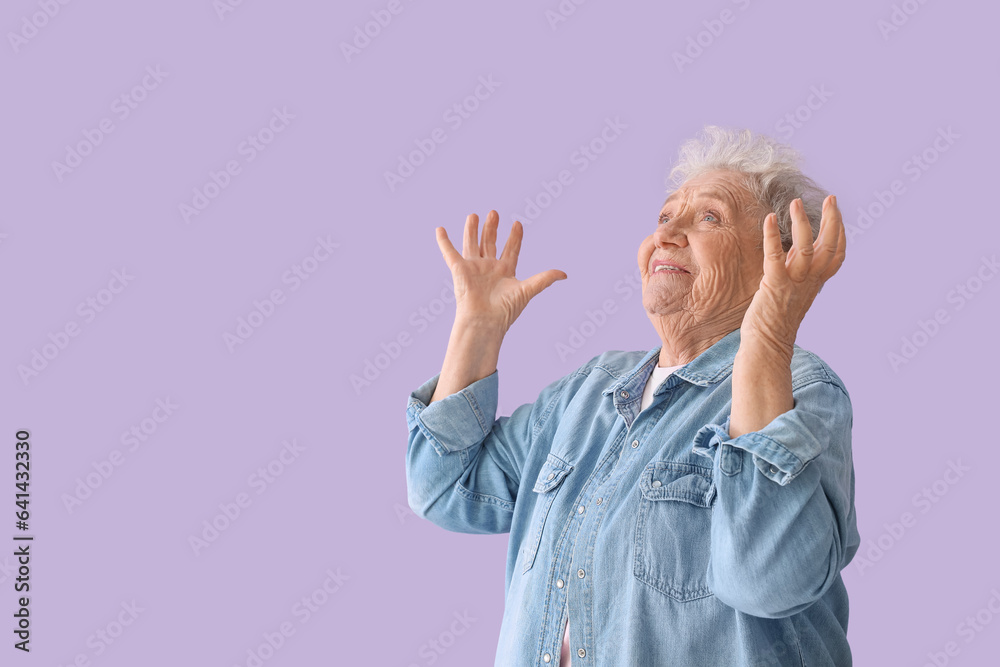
{"x":486,"y":291}
{"x":792,"y":281}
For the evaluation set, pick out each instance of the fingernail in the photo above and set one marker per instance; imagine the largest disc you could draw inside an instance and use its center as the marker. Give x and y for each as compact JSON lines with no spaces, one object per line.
{"x":834,"y":199}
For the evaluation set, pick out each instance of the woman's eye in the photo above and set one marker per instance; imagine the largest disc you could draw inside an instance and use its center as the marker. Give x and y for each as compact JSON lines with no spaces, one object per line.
{"x":708,"y":214}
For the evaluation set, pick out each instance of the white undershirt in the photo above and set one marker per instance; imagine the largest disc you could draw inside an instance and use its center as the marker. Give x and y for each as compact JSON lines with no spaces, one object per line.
{"x":659,"y":374}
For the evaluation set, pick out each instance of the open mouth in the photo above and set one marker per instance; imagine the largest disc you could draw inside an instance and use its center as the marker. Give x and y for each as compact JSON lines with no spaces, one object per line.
{"x":666,"y":268}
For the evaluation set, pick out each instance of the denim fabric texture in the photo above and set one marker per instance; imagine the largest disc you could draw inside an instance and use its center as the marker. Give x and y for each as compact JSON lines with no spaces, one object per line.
{"x":665,"y":541}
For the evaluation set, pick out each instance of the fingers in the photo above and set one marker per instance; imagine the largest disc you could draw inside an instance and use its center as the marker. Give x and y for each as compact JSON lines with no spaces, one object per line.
{"x":488,"y":247}
{"x":774,"y":256}
{"x":827,"y":245}
{"x":841,"y":246}
{"x":800,"y":254}
{"x":540,"y":281}
{"x":838,"y":257}
{"x":470,"y":245}
{"x":513,"y":245}
{"x":447,"y":249}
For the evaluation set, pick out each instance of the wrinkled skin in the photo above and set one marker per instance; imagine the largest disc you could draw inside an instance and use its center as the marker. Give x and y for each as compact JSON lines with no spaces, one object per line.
{"x":737,"y":274}
{"x":706,"y":232}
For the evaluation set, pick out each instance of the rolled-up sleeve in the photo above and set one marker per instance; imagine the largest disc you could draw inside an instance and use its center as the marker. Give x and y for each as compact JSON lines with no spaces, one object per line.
{"x":783,"y":522}
{"x":463,"y":465}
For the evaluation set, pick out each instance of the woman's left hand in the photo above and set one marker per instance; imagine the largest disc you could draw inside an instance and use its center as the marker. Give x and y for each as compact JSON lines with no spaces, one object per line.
{"x":791,"y":281}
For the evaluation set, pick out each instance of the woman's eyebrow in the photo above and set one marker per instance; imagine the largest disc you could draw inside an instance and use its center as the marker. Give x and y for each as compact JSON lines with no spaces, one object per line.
{"x":709,"y":195}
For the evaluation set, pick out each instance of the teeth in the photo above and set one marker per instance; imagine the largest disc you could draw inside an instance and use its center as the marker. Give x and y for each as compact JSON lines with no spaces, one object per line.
{"x":665,"y":267}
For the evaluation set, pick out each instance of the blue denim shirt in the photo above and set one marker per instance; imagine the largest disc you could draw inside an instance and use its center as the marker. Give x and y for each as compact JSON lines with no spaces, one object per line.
{"x":664,"y":540}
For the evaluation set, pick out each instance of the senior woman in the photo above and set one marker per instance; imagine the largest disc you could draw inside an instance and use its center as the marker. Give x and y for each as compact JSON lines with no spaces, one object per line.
{"x":689,"y":505}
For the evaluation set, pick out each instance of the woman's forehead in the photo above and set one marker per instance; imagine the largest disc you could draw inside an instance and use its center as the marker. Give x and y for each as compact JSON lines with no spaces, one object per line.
{"x":717,"y":185}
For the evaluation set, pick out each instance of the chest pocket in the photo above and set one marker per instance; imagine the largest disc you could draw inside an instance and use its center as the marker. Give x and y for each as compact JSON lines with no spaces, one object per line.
{"x":673,"y":529}
{"x":549,"y":480}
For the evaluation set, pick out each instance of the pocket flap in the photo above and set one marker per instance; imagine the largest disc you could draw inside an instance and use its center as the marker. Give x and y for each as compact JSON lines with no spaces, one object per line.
{"x":667,"y":480}
{"x":552,"y":472}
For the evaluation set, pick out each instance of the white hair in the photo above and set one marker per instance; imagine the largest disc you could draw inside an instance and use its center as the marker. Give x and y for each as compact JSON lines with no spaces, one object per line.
{"x":769,"y":171}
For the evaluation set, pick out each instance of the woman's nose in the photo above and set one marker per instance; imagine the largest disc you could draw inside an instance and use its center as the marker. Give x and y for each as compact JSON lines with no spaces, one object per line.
{"x":670,"y":232}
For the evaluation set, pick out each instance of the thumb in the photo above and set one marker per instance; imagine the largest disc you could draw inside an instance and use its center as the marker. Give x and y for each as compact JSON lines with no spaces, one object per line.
{"x":540,"y":281}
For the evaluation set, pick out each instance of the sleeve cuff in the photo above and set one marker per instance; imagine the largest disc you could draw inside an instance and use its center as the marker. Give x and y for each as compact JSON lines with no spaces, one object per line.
{"x":458,"y":421}
{"x":772,"y":459}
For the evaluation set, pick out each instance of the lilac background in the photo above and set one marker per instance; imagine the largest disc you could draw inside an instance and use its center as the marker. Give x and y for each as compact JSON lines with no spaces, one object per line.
{"x":341,"y":504}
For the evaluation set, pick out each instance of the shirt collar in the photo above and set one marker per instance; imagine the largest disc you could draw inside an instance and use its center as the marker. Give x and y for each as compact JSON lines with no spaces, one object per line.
{"x":711,"y":366}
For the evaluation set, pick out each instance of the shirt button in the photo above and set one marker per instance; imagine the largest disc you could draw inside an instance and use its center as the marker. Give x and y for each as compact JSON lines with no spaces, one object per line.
{"x":656,"y":483}
{"x":580,"y":573}
{"x":581,"y":652}
{"x":546,"y":657}
{"x":560,"y":583}
{"x":551,"y":475}
{"x":773,"y":469}
{"x":580,"y":509}
{"x":624,"y":394}
{"x":600,"y":500}
{"x":635,"y":443}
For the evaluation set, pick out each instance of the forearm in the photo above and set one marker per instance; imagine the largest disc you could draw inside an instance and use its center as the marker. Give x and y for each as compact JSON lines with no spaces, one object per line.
{"x":451,"y":467}
{"x":472,"y":354}
{"x":782,"y":521}
{"x":775,"y":549}
{"x":762,"y":385}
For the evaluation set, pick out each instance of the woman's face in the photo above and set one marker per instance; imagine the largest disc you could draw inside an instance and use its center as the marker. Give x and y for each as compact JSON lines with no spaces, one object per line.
{"x":703,"y":228}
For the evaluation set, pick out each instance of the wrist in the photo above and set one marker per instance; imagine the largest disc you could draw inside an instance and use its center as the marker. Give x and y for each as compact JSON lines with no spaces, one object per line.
{"x":758,"y":346}
{"x":482,"y":327}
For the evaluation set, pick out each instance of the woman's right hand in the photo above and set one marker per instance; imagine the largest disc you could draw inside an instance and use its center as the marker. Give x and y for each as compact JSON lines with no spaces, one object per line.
{"x":486,"y":291}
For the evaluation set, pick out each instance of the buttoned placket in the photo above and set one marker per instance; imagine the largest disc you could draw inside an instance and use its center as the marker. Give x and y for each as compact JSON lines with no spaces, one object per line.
{"x":586,"y":520}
